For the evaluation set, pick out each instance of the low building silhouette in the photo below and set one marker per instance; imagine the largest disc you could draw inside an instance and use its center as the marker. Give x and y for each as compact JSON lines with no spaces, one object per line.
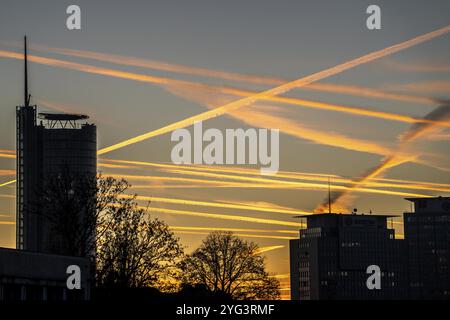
{"x":427,"y":234}
{"x":331,"y":258}
{"x":34,"y":276}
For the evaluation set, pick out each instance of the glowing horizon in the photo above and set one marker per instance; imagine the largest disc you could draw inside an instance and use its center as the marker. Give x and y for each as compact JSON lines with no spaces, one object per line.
{"x":351,"y":106}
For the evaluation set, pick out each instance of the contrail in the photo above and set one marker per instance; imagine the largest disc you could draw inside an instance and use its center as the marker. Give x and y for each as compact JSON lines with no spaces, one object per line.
{"x":7,"y":183}
{"x":226,"y":184}
{"x":6,"y":172}
{"x":8,"y":196}
{"x":266,"y":183}
{"x":256,"y":117}
{"x":416,"y":67}
{"x":305,"y":185}
{"x":429,"y":87}
{"x":267,"y":248}
{"x":419,"y":129}
{"x":399,"y":184}
{"x":405,"y":184}
{"x":174,"y":86}
{"x":415,"y":132}
{"x":193,"y":91}
{"x":171,"y":179}
{"x":257,"y":204}
{"x":233,"y":229}
{"x":279,"y":89}
{"x":173,"y":83}
{"x":171,"y":168}
{"x":220,"y":205}
{"x":7,"y":155}
{"x":222,"y":216}
{"x":439,"y":137}
{"x":88,"y":68}
{"x":205,"y":183}
{"x":334,"y":107}
{"x":203,"y":72}
{"x":196,"y":186}
{"x":114,"y":166}
{"x":323,"y":177}
{"x":240,"y":235}
{"x":281,"y":276}
{"x":7,"y":222}
{"x":293,"y":128}
{"x":157,"y":65}
{"x":8,"y":151}
{"x":369,"y":93}
{"x":435,"y":184}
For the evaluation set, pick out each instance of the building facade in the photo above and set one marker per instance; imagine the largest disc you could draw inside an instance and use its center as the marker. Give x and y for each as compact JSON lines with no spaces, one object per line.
{"x":427,"y":235}
{"x":331,"y":258}
{"x":43,"y":149}
{"x":58,"y":142}
{"x":32,"y":276}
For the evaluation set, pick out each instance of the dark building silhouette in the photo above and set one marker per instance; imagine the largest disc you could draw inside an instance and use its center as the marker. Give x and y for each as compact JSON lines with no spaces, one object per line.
{"x":427,"y":234}
{"x":34,"y":276}
{"x":331,"y":258}
{"x":294,"y":267}
{"x":37,"y":270}
{"x":46,"y":143}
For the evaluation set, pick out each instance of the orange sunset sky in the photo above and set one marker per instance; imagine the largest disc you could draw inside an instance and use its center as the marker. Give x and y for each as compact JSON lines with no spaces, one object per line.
{"x":138,"y":68}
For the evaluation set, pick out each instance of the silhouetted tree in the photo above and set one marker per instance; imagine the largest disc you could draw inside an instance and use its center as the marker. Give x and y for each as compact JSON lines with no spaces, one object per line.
{"x":225,"y":263}
{"x":73,"y":206}
{"x":92,"y":216}
{"x":135,"y":250}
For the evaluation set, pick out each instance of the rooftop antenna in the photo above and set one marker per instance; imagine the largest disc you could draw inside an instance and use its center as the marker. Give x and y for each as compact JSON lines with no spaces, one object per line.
{"x":329,"y":196}
{"x":26,"y":95}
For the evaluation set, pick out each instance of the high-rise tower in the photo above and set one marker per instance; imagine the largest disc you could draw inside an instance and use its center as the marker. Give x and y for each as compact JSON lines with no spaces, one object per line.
{"x":42,"y":150}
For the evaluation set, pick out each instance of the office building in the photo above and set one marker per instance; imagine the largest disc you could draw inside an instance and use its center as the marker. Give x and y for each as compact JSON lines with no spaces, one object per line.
{"x":427,"y":235}
{"x":331,"y":257}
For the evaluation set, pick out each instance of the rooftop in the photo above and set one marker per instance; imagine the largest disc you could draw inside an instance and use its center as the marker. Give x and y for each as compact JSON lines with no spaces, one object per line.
{"x":347,"y":214}
{"x":62,"y":116}
{"x":427,"y":198}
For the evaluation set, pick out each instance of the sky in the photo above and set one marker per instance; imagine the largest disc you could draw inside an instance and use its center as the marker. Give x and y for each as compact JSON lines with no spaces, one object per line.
{"x":215,"y":43}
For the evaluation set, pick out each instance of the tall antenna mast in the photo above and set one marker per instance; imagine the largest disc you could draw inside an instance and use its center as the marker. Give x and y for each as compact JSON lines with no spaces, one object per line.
{"x":26,"y":96}
{"x":329,"y":196}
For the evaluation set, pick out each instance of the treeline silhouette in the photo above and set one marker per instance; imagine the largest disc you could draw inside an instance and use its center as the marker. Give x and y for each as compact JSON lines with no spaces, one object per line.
{"x":136,"y":256}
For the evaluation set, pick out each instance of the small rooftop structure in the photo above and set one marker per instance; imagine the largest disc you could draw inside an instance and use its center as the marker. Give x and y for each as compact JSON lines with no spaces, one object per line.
{"x":431,"y":205}
{"x":62,"y":116}
{"x":61,"y":120}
